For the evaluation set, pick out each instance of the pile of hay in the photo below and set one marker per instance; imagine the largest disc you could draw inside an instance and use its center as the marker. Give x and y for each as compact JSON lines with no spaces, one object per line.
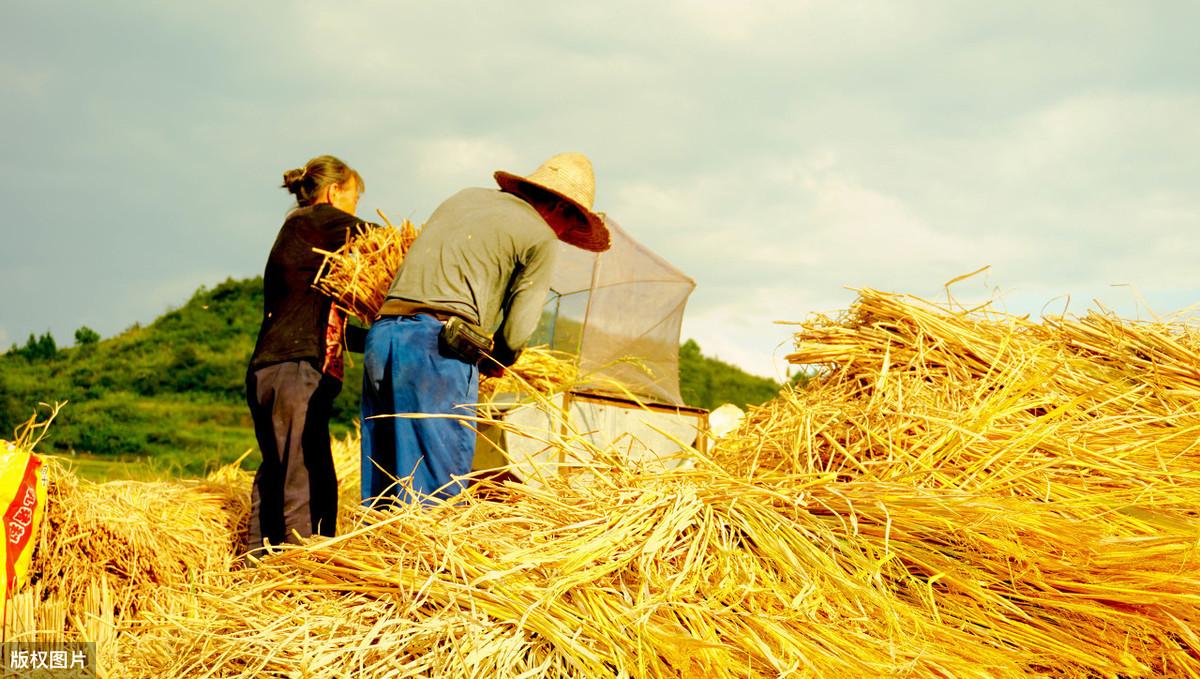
{"x":685,"y":574}
{"x":1036,"y":485}
{"x":107,"y":552}
{"x":357,"y":276}
{"x":958,"y":493}
{"x":110,"y":552}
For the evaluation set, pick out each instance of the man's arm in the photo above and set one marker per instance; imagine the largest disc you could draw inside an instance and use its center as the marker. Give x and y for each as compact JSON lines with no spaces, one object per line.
{"x":526,"y":298}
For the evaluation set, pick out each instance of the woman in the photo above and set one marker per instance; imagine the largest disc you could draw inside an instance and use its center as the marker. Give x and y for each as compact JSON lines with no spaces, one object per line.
{"x":296,"y":369}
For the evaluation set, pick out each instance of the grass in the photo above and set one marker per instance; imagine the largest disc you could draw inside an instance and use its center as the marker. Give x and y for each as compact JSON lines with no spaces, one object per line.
{"x":103,"y":468}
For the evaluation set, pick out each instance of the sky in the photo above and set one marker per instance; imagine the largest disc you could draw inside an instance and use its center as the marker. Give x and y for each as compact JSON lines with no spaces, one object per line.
{"x":780,"y":153}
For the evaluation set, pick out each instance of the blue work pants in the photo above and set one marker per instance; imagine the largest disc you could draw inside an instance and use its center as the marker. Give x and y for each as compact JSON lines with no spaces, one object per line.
{"x":410,"y":459}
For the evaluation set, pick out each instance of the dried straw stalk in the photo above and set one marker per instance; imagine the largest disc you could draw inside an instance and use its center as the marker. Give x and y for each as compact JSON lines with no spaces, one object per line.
{"x":108,"y":551}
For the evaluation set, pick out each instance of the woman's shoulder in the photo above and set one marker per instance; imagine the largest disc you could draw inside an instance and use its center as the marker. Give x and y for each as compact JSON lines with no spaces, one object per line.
{"x":321,"y":226}
{"x":324,"y":214}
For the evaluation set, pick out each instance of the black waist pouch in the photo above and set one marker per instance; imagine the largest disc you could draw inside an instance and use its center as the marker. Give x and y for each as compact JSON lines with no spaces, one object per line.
{"x":464,"y":341}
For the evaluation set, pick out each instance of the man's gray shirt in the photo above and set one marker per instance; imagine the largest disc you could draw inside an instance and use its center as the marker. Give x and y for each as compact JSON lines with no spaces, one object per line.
{"x":487,"y":256}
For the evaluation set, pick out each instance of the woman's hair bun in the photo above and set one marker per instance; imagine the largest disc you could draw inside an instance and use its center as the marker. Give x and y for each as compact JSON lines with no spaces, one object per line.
{"x":292,"y":179}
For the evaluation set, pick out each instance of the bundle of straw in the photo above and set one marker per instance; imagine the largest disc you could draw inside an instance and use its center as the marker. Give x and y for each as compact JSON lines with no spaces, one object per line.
{"x":986,"y":401}
{"x":357,"y":276}
{"x":538,"y":369}
{"x":108,"y":552}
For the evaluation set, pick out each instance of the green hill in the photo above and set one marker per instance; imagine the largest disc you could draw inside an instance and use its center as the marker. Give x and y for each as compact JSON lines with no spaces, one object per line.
{"x":708,"y":382}
{"x":171,"y":393}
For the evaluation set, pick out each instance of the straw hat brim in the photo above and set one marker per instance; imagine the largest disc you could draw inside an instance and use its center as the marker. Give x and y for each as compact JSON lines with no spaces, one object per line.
{"x":586,"y":230}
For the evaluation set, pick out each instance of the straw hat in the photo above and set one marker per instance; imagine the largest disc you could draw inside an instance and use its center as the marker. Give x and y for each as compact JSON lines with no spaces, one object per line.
{"x":566,"y":176}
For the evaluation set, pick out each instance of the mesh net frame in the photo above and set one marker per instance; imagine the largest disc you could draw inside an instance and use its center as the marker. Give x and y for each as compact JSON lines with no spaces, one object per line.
{"x":620,"y":312}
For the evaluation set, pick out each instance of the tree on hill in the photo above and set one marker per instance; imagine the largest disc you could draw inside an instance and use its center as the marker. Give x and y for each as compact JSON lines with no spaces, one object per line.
{"x":37,"y":348}
{"x":85,"y":335}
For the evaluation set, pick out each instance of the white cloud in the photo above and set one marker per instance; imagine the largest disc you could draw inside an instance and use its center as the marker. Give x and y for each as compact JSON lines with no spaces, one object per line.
{"x":24,"y":82}
{"x":734,"y":335}
{"x":775,"y":151}
{"x":726,"y":21}
{"x":159,"y":296}
{"x":1090,"y":134}
{"x":464,"y":160}
{"x":873,"y":226}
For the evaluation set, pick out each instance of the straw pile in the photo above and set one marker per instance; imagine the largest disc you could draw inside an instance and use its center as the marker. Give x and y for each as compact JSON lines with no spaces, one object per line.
{"x":357,"y":276}
{"x":959,"y":493}
{"x":1036,"y":484}
{"x":108,"y":552}
{"x":684,"y":574}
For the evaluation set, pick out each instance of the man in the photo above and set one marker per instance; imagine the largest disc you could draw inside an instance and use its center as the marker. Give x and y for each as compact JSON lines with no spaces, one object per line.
{"x":484,"y":257}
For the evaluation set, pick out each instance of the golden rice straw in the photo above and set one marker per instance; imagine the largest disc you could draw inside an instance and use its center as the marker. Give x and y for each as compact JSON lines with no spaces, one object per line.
{"x":357,"y":276}
{"x":107,"y":551}
{"x":920,"y":371}
{"x":539,"y":369}
{"x":1083,"y":431}
{"x":959,"y":493}
{"x":683,"y":574}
